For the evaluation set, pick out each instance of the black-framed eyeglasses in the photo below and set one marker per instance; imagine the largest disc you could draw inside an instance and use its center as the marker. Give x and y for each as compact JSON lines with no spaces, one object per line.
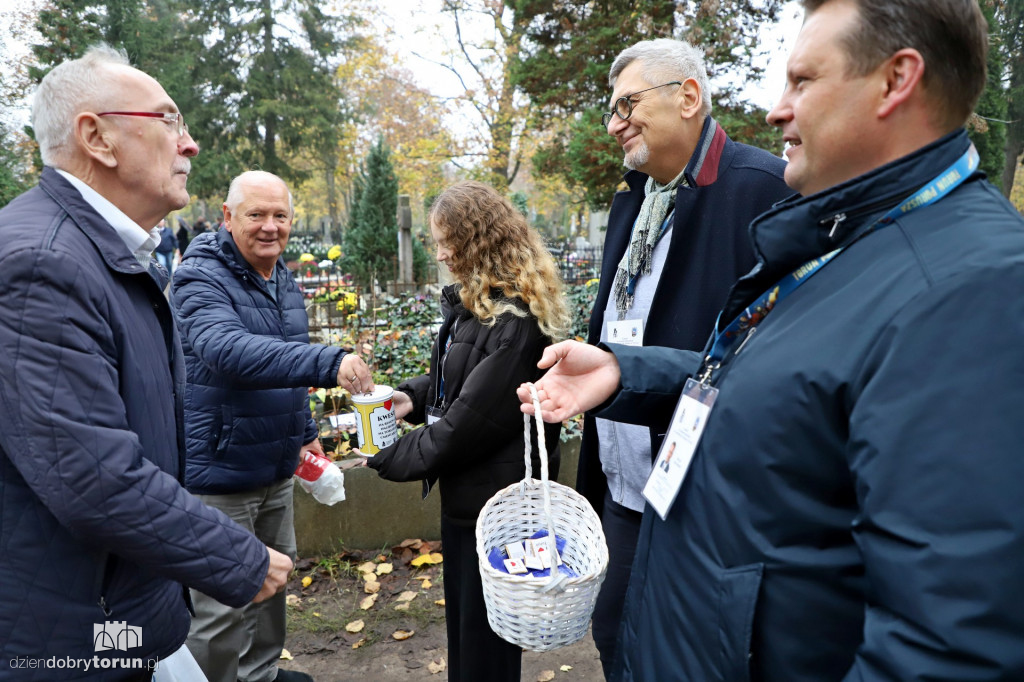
{"x":176,"y":118}
{"x":624,"y":105}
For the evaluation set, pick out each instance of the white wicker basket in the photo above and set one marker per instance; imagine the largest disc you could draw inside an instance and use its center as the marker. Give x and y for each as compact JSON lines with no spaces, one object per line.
{"x":541,"y":614}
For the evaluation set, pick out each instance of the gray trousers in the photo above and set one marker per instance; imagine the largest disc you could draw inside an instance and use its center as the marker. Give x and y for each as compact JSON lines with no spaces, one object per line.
{"x":245,"y":644}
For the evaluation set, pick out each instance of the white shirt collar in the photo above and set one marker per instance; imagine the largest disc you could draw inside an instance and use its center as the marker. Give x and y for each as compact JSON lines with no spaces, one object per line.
{"x":140,"y":242}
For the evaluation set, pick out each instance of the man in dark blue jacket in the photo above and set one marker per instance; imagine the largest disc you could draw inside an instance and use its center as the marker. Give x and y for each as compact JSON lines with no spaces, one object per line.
{"x":97,"y":536}
{"x":676,"y":242}
{"x":851,"y":508}
{"x":250,"y":365}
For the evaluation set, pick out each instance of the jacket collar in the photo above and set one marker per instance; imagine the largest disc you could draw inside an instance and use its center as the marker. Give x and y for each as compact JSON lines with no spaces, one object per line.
{"x":111,"y":247}
{"x":221,"y":245}
{"x":799,"y":229}
{"x":702,"y":168}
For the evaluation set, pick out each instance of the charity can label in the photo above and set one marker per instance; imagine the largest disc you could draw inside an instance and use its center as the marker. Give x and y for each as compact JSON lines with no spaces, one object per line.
{"x":375,"y":419}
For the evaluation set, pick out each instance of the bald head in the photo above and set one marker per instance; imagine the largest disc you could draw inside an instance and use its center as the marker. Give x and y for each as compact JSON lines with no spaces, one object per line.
{"x":253,"y":181}
{"x":258,"y":214}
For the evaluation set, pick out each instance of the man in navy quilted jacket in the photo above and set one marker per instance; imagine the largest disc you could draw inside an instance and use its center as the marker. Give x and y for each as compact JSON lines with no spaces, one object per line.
{"x":245,"y":333}
{"x":97,"y":535}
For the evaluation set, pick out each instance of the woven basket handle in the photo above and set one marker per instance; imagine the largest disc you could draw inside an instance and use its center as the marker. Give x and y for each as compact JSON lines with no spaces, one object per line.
{"x":556,"y":577}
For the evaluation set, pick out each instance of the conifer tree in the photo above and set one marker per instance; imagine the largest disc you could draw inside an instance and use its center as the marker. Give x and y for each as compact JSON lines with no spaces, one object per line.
{"x":371,"y":244}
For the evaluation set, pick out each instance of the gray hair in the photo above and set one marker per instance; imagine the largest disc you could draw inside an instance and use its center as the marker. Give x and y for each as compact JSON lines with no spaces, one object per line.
{"x":236,"y":194}
{"x":70,"y":88}
{"x":665,"y":59}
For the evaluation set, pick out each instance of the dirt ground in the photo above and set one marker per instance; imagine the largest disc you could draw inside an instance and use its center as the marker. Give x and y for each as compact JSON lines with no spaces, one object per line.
{"x":327,"y":595}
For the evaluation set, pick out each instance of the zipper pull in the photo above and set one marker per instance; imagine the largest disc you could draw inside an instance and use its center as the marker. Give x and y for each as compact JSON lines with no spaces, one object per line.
{"x":839,"y":217}
{"x":750,"y":333}
{"x":103,"y":605}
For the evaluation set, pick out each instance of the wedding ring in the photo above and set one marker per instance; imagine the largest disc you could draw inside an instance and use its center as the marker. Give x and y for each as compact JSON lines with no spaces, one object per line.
{"x":353,"y":379}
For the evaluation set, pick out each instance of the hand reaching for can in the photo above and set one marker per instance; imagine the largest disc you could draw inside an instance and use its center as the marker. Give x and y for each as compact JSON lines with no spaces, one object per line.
{"x":354,"y":375}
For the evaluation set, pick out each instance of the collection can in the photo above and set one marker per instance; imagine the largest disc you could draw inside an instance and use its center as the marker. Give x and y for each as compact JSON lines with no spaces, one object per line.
{"x":375,"y":419}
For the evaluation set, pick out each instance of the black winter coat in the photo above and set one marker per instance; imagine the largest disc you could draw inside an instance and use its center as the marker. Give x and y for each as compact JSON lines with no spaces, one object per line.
{"x":476,"y":448}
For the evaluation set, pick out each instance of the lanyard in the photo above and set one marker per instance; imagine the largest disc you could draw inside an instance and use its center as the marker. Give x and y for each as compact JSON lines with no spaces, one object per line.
{"x":441,"y":361}
{"x":631,"y":286}
{"x":752,"y":315}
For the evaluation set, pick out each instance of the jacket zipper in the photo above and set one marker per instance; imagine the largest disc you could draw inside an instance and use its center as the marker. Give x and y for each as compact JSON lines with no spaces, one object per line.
{"x":871,"y":208}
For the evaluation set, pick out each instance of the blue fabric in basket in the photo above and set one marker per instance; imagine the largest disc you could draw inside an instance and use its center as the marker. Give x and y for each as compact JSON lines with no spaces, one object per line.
{"x":497,"y":557}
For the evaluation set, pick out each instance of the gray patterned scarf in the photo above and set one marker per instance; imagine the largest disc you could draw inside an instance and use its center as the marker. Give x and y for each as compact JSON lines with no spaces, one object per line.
{"x":658,"y":201}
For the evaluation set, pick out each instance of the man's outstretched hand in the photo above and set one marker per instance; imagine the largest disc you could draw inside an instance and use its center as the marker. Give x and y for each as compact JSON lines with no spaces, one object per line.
{"x":581,"y":378}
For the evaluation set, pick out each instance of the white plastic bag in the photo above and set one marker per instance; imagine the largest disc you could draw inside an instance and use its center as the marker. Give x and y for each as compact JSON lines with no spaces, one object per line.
{"x":179,"y":667}
{"x":321,"y":478}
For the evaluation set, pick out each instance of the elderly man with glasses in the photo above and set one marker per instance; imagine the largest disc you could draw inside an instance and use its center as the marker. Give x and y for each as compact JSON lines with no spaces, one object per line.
{"x":676,"y":241}
{"x":98,"y":536}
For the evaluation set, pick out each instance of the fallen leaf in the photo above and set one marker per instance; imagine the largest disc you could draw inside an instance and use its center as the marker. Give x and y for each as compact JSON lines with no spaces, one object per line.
{"x":368,"y":602}
{"x":355,"y":626}
{"x":384,"y":568}
{"x":436,"y":667}
{"x":432,"y":558}
{"x":411,"y":542}
{"x":426,"y":584}
{"x":369,"y":577}
{"x":371,"y":587}
{"x":317,"y":614}
{"x":285,"y":656}
{"x":408,"y":595}
{"x":546,"y":676}
{"x":292,"y":600}
{"x":367,"y":567}
{"x":402,"y":634}
{"x":440,"y":602}
{"x":381,"y":557}
{"x":404,"y":606}
{"x":359,"y":643}
{"x":307,"y":581}
{"x":565,"y":668}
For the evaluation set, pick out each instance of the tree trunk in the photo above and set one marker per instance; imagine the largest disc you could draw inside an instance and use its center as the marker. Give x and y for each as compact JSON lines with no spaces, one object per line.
{"x":1014,"y":148}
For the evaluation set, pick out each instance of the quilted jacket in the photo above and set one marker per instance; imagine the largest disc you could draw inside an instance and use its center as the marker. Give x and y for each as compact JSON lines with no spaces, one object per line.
{"x":476,"y":448}
{"x":250,"y":366}
{"x":94,"y":524}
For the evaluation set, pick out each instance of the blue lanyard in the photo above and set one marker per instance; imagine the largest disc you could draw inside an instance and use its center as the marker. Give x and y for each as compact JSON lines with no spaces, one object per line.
{"x":752,"y":315}
{"x":631,"y":287}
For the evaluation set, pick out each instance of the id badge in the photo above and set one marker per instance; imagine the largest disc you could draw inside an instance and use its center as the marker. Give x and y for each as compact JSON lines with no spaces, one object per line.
{"x":625,"y":332}
{"x":674,"y":457}
{"x":433,"y":414}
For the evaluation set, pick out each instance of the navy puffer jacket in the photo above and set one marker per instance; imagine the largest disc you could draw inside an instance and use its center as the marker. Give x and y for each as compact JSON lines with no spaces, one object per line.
{"x":249,"y":364}
{"x":94,"y":524}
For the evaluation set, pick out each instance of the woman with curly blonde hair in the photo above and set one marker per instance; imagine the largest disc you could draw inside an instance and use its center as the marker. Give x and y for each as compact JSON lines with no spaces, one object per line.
{"x":505,"y":307}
